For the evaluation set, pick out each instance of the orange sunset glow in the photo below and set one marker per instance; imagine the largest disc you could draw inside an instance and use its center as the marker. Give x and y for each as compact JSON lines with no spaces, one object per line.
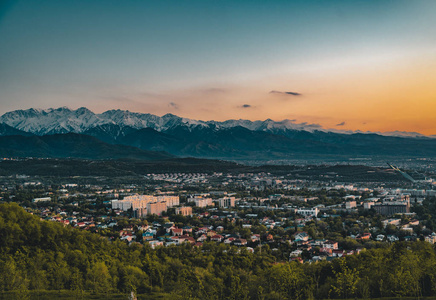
{"x":345,"y":66}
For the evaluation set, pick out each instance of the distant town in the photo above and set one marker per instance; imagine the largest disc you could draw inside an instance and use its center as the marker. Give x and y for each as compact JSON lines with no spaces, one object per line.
{"x":299,"y":219}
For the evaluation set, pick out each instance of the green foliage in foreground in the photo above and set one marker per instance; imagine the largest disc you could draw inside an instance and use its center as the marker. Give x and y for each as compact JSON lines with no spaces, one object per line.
{"x":74,"y":295}
{"x":37,"y":255}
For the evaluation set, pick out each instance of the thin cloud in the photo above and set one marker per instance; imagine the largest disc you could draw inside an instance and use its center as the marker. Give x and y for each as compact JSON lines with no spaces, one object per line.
{"x":286,"y":93}
{"x":341,"y":124}
{"x":173,"y":105}
{"x":213,"y":91}
{"x":246,"y":106}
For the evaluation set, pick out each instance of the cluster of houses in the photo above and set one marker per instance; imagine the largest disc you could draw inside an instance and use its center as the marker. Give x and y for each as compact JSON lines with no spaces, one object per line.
{"x":215,"y":205}
{"x":166,"y":234}
{"x":175,"y":236}
{"x":327,"y":249}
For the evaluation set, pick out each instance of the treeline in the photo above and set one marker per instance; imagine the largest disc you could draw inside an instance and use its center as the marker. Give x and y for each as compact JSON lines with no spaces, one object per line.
{"x":40,"y":255}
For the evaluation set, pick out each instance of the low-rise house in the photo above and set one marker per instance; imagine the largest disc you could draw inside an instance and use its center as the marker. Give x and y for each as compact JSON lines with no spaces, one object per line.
{"x":255,"y":238}
{"x":297,"y":259}
{"x":240,"y":242}
{"x":217,"y":238}
{"x":229,"y":240}
{"x":363,"y":236}
{"x":147,"y":236}
{"x":407,"y":228}
{"x":327,"y":251}
{"x":169,"y":227}
{"x":204,"y":215}
{"x":65,"y":222}
{"x":186,"y":238}
{"x":300,"y":221}
{"x":392,"y":238}
{"x":128,"y":237}
{"x":187,"y":229}
{"x":203,"y":229}
{"x":414,"y":223}
{"x":171,"y":243}
{"x":330,"y":245}
{"x":177,"y":231}
{"x":202,"y":238}
{"x":249,"y":249}
{"x":143,"y":227}
{"x":153,"y":231}
{"x":395,"y":222}
{"x":301,"y":236}
{"x":320,"y":243}
{"x":296,"y":253}
{"x":431,"y":238}
{"x":338,"y":253}
{"x":211,"y":233}
{"x":155,"y":243}
{"x":380,"y":237}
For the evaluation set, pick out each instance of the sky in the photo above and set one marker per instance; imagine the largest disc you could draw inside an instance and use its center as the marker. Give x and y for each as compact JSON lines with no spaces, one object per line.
{"x":347,"y":65}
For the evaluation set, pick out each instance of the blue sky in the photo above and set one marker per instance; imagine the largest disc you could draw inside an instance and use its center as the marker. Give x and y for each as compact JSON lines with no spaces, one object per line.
{"x":221,"y":59}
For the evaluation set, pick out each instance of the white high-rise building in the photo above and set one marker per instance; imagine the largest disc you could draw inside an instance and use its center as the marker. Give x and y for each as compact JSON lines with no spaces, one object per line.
{"x":141,"y":201}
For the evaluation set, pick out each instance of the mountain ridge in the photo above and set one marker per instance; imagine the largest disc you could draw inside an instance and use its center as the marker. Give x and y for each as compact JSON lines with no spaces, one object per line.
{"x":182,"y":137}
{"x":64,"y":120}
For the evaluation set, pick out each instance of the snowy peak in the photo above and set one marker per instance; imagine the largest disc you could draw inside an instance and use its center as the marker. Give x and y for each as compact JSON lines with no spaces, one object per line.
{"x":64,"y":120}
{"x":269,"y":125}
{"x":139,"y":120}
{"x":50,"y":121}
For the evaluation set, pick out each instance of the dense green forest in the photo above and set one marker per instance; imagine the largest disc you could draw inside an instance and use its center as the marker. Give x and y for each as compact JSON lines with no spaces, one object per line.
{"x":41,"y":255}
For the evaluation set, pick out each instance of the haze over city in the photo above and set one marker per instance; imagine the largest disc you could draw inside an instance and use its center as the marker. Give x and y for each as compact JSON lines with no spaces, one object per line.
{"x":354,"y":65}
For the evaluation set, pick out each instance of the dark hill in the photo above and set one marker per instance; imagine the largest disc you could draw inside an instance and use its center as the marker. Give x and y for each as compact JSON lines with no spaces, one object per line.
{"x":71,"y":145}
{"x":6,"y":130}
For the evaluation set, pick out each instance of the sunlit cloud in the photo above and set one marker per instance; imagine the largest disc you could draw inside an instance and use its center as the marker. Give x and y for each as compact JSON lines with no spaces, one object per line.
{"x":286,"y":93}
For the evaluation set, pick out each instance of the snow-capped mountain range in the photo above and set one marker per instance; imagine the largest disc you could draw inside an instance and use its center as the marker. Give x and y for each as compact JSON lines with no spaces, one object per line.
{"x":65,"y":120}
{"x":57,"y":132}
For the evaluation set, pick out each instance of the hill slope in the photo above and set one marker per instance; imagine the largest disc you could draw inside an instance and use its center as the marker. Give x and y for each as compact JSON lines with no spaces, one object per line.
{"x":71,"y":145}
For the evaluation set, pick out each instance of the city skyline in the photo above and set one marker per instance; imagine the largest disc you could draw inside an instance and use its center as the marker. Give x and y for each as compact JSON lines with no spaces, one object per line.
{"x":357,"y":65}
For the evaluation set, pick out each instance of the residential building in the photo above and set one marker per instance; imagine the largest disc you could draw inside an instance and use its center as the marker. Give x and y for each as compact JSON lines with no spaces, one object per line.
{"x":202,"y":202}
{"x":308,"y":212}
{"x":184,"y":211}
{"x":389,"y":208}
{"x":227,"y":202}
{"x":140,"y":201}
{"x":350,"y":204}
{"x":156,"y":208}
